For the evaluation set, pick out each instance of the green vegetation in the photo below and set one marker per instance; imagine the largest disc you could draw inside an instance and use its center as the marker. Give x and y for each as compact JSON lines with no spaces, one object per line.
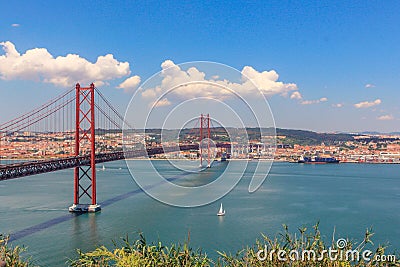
{"x":292,"y":137}
{"x":141,"y":253}
{"x":301,"y":137}
{"x":10,"y":255}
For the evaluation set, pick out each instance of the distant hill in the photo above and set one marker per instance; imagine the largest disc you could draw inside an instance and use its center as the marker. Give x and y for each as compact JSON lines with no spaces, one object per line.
{"x":292,"y":137}
{"x":303,"y":137}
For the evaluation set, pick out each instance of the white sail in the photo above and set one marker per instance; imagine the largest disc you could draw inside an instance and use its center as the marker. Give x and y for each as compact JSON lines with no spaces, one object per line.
{"x":221,"y":211}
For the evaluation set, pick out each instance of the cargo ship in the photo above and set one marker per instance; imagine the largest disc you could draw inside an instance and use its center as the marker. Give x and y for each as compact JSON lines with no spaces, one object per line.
{"x":317,"y":160}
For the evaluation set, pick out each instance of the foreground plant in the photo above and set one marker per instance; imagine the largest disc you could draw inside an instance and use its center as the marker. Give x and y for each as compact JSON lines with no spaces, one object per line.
{"x":11,"y":256}
{"x":142,"y":254}
{"x":307,"y":249}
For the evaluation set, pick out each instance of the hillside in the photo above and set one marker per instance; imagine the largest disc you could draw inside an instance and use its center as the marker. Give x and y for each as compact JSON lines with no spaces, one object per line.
{"x":302,"y":137}
{"x":291,"y":137}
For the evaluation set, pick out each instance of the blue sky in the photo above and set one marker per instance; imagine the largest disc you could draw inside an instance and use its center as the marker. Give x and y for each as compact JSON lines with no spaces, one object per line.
{"x":343,"y":57}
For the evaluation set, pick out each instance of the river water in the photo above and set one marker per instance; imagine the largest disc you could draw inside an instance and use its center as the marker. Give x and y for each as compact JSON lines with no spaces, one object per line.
{"x":346,"y":197}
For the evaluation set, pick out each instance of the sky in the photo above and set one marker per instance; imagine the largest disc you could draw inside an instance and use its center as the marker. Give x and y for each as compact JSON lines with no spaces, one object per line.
{"x":326,"y":66}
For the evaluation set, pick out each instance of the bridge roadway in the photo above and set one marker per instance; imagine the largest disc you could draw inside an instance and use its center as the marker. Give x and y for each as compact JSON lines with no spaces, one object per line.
{"x":21,"y":169}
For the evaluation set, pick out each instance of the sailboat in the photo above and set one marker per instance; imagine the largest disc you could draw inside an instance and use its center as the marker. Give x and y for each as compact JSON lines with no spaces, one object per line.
{"x":104,"y":168}
{"x":221,"y":211}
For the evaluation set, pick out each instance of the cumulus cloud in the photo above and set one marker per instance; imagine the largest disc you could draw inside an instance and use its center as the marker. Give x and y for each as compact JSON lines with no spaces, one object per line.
{"x":367,"y":104}
{"x":296,"y":95}
{"x":130,"y":84}
{"x":193,"y":83}
{"x":310,"y":102}
{"x":369,"y":85}
{"x":267,"y":81}
{"x":39,"y":65}
{"x":162,"y":103}
{"x":386,"y":118}
{"x":15,"y":25}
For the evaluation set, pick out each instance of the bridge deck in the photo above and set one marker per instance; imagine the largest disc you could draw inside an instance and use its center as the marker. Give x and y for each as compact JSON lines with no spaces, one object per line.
{"x":16,"y":170}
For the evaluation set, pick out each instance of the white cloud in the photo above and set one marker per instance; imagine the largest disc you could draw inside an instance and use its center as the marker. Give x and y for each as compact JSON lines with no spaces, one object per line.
{"x":15,"y":25}
{"x":193,"y":83}
{"x":130,"y":84}
{"x":367,"y":104}
{"x":39,"y":65}
{"x":296,"y":95}
{"x":386,"y":118}
{"x":162,"y":103}
{"x":369,"y":85}
{"x":310,"y":102}
{"x":267,"y":81}
{"x":338,"y":105}
{"x":152,"y":93}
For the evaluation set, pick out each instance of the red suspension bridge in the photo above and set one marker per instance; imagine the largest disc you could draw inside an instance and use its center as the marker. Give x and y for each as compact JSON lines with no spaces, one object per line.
{"x":78,"y":129}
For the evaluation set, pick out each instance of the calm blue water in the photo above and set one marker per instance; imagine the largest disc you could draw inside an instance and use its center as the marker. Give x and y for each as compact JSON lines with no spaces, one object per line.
{"x":348,"y":197}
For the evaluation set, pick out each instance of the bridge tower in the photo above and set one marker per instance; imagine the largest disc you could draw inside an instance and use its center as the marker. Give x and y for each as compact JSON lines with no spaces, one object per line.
{"x":205,"y":131}
{"x":85,"y":175}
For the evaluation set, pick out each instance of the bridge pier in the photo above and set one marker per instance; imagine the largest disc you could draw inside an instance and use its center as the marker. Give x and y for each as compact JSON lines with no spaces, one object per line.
{"x":85,"y":176}
{"x":84,"y":208}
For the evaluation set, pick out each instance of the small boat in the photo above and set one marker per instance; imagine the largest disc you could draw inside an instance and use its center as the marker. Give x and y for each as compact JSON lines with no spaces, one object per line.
{"x":104,"y":168}
{"x":318,"y":160}
{"x":221,"y":211}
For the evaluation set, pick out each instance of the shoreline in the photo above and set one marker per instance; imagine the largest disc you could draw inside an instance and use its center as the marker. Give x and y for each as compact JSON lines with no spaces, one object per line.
{"x":162,"y":159}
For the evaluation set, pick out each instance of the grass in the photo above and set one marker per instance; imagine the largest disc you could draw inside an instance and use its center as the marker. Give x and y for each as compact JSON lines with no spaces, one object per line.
{"x":140,"y":253}
{"x":10,"y":255}
{"x":295,"y":247}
